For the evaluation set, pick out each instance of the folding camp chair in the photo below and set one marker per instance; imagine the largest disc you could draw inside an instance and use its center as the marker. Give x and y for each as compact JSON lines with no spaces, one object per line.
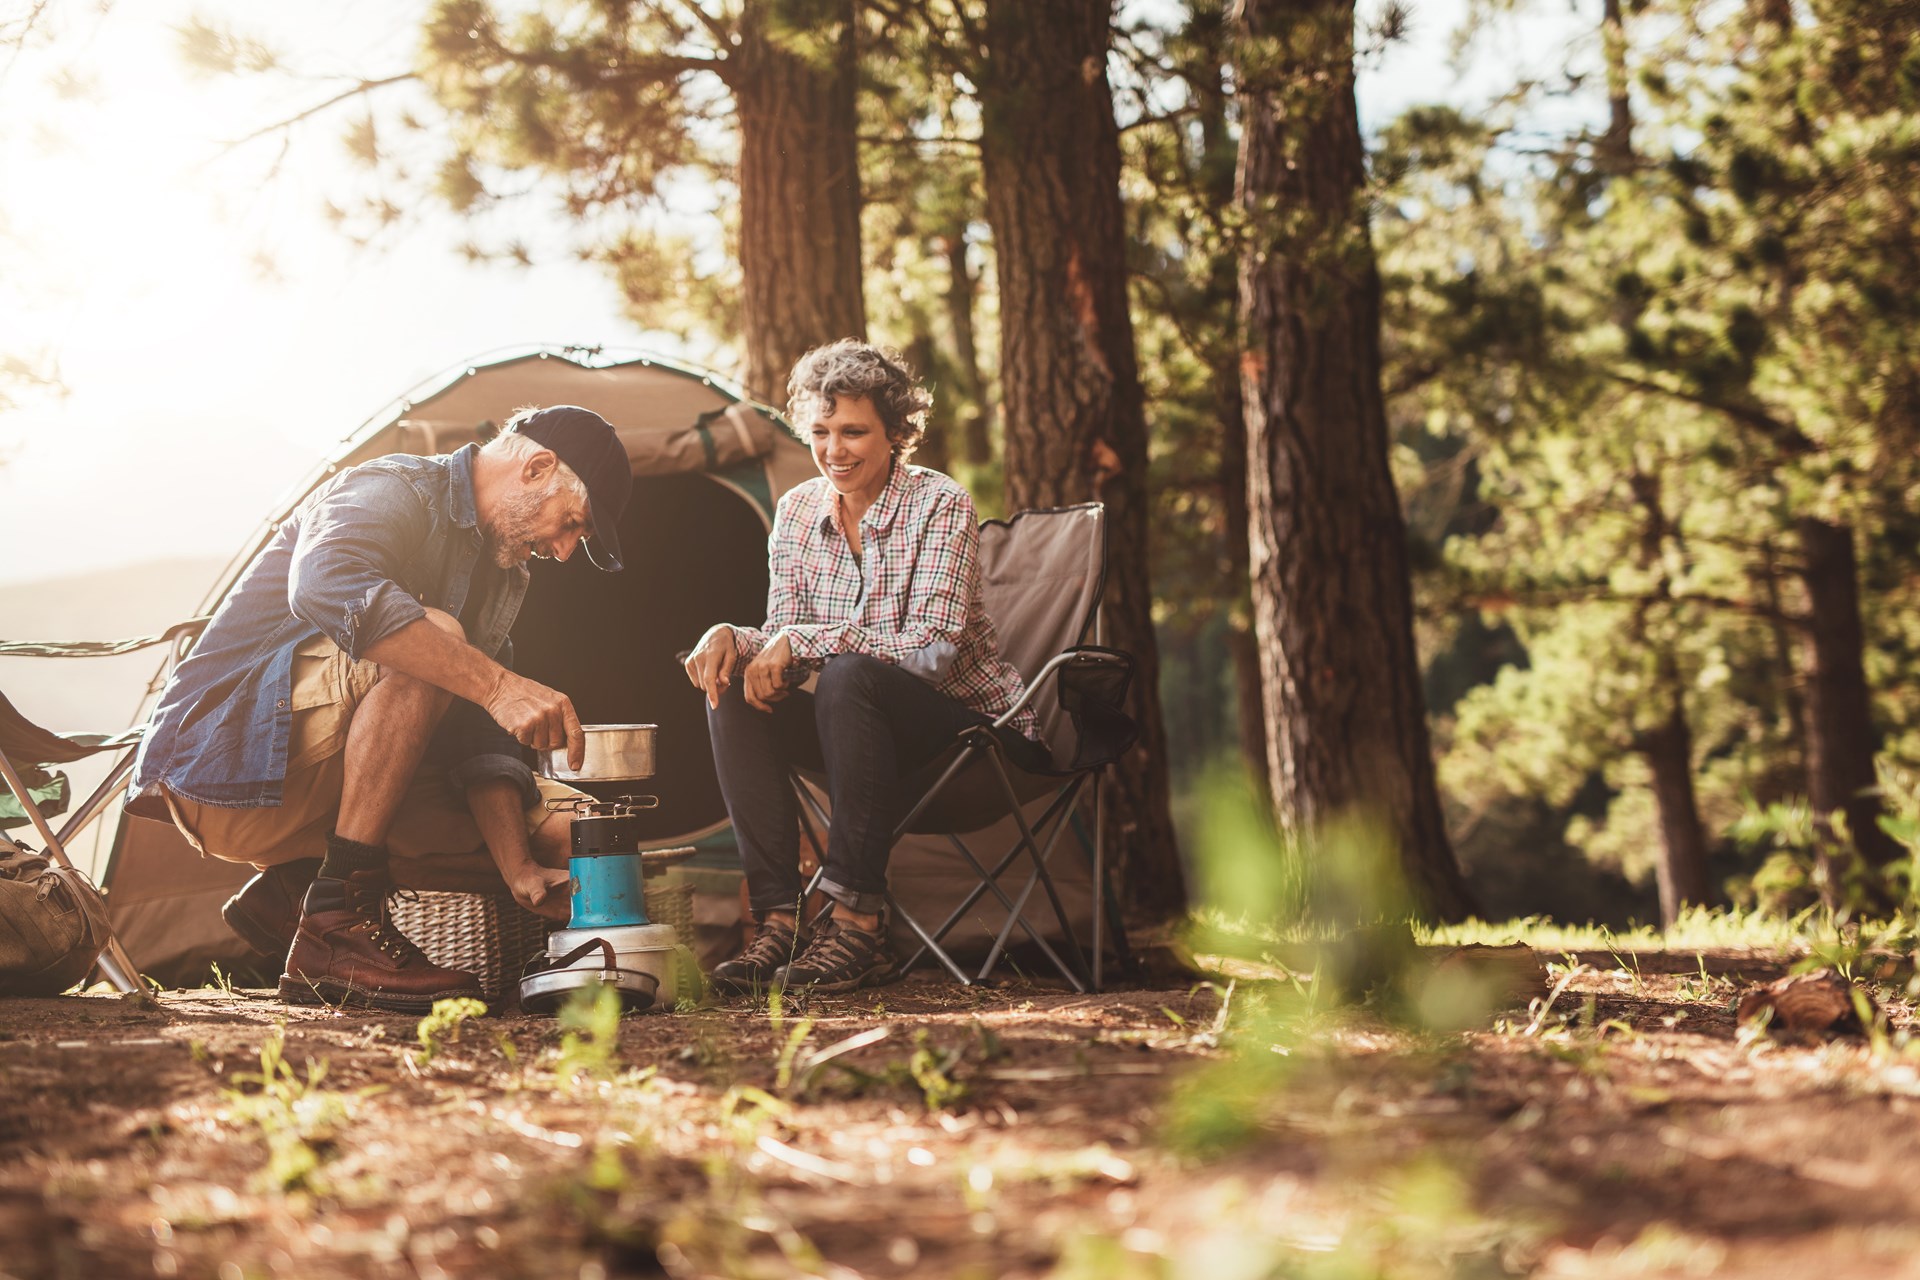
{"x":39,"y":793}
{"x":1043,"y":572}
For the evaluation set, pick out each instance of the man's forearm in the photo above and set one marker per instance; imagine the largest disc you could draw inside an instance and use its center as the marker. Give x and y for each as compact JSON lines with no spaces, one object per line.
{"x":424,"y":651}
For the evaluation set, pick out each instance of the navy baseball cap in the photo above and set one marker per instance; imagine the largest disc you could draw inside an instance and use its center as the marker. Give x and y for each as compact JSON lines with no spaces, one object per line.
{"x":586,"y":442}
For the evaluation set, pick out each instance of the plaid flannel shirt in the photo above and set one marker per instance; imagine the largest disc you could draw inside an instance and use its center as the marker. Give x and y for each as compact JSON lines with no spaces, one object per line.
{"x":912,"y":599}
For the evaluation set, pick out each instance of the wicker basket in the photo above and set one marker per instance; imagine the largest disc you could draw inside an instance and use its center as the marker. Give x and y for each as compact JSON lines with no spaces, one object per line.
{"x":492,"y":937}
{"x":488,"y":935}
{"x":671,"y":902}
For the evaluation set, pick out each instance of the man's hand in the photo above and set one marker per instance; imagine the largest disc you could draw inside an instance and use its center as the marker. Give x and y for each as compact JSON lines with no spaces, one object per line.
{"x":545,"y":891}
{"x":765,"y":677}
{"x":537,"y":716}
{"x":710,"y":666}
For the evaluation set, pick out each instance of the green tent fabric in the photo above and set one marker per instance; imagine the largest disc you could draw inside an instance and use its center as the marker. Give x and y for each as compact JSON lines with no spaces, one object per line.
{"x":49,"y":792}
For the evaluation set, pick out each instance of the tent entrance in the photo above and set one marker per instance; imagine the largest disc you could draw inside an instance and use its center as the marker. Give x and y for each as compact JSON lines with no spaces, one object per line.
{"x":695,"y":551}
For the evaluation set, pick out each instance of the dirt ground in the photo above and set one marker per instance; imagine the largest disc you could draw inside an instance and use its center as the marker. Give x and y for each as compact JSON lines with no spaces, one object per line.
{"x":923,"y":1129}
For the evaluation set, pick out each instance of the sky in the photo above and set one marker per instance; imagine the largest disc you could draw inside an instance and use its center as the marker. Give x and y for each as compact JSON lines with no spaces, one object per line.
{"x":216,"y":336}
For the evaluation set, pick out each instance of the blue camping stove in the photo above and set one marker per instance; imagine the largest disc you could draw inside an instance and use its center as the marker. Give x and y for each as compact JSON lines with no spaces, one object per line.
{"x":609,"y":940}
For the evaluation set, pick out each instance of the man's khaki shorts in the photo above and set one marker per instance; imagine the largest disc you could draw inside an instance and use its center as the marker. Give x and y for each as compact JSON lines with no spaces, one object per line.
{"x":328,"y":686}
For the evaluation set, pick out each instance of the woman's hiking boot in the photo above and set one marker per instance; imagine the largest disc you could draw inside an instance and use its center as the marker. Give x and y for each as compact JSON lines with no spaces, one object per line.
{"x":841,"y":958}
{"x":752,"y":971}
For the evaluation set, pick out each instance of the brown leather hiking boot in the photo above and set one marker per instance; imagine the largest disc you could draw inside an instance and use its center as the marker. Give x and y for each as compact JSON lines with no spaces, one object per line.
{"x":266,"y":911}
{"x":346,"y":952}
{"x":840,"y":958}
{"x":751,"y":972}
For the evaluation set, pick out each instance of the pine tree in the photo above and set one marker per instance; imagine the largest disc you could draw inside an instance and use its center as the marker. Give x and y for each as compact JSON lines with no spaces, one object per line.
{"x":612,"y":98}
{"x":1075,"y":424}
{"x":1331,"y":588}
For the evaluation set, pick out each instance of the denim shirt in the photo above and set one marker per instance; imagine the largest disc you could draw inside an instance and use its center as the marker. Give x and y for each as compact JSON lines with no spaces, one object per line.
{"x":362,"y":557}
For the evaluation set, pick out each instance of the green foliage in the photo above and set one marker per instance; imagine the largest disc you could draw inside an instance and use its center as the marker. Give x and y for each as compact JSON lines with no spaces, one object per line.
{"x":1645,"y":376}
{"x":789,"y":1050}
{"x":932,"y":1070}
{"x":297,"y":1118}
{"x":590,"y":1045}
{"x":442,"y":1025}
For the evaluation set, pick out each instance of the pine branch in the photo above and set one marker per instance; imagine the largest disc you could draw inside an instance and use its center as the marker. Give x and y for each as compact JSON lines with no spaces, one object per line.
{"x":360,"y":89}
{"x":920,"y":15}
{"x":912,"y":142}
{"x":16,"y":32}
{"x":1599,"y":593}
{"x":1783,"y":434}
{"x":1165,"y":117}
{"x":722,"y":37}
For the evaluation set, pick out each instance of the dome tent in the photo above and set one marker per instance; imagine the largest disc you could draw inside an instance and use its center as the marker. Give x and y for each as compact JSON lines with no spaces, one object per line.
{"x":709,"y":466}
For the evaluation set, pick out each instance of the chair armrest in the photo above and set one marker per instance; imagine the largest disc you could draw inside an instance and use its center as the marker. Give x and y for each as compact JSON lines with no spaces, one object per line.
{"x":1086,"y":655}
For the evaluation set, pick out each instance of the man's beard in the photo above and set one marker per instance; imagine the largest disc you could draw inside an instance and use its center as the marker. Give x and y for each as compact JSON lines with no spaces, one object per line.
{"x":510,"y":534}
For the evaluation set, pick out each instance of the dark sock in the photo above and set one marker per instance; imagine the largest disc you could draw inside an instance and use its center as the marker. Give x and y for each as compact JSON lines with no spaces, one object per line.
{"x":344,"y":857}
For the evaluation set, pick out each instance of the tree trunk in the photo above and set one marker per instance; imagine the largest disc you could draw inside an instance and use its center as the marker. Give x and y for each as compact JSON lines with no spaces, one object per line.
{"x":1243,"y":644}
{"x":1075,"y":423}
{"x":935,"y":449}
{"x":1207,"y":29}
{"x":1616,"y":145}
{"x":1789,"y":682}
{"x":1682,"y":870}
{"x":976,"y":434}
{"x":1333,"y":602}
{"x":799,"y":195}
{"x":1840,"y":737}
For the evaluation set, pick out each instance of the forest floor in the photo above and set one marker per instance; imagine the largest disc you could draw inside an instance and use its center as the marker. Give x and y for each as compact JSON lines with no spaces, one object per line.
{"x":1612,"y":1121}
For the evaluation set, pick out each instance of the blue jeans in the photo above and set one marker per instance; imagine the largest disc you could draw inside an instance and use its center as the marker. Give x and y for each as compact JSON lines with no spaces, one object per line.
{"x":868,"y":723}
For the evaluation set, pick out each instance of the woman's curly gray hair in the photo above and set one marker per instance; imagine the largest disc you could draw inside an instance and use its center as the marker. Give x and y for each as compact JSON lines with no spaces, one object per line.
{"x":860,"y":370}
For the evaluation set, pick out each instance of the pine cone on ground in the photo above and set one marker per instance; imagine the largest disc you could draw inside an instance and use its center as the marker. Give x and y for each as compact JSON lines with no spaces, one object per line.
{"x":1806,"y":1004}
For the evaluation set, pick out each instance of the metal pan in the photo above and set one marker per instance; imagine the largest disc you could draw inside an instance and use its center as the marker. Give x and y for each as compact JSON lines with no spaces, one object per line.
{"x":615,"y":753}
{"x":546,"y":992}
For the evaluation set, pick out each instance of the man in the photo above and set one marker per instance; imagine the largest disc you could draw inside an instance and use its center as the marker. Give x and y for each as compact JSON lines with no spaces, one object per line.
{"x":355,"y":693}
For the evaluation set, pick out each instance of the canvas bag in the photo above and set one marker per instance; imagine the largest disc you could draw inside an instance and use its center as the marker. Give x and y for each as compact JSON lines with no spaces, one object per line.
{"x":53,"y":924}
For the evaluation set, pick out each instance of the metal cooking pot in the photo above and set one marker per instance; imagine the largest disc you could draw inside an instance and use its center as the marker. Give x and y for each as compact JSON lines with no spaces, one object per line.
{"x":615,"y":753}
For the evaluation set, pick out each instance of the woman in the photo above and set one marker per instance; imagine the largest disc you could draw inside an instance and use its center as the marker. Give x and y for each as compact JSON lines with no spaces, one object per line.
{"x":874,"y":583}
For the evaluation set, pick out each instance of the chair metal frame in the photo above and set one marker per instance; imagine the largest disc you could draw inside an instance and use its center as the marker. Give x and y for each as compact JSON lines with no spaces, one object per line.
{"x":113,"y":960}
{"x":1037,"y":838}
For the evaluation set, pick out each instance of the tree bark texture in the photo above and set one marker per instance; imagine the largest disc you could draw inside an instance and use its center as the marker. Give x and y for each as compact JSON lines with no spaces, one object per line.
{"x":1243,"y":640}
{"x":1331,"y":589}
{"x":935,"y":449}
{"x":1840,"y":736}
{"x":1071,"y":404}
{"x":1682,"y":870}
{"x":799,"y":194}
{"x":977,"y":431}
{"x":1207,"y":28}
{"x":1616,"y":145}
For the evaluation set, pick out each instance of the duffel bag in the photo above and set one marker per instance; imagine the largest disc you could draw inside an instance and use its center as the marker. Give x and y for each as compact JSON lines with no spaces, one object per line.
{"x":53,"y":924}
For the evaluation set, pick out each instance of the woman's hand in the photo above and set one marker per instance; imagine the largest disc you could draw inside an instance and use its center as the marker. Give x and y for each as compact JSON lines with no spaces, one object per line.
{"x":766,"y":674}
{"x":710,"y":666}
